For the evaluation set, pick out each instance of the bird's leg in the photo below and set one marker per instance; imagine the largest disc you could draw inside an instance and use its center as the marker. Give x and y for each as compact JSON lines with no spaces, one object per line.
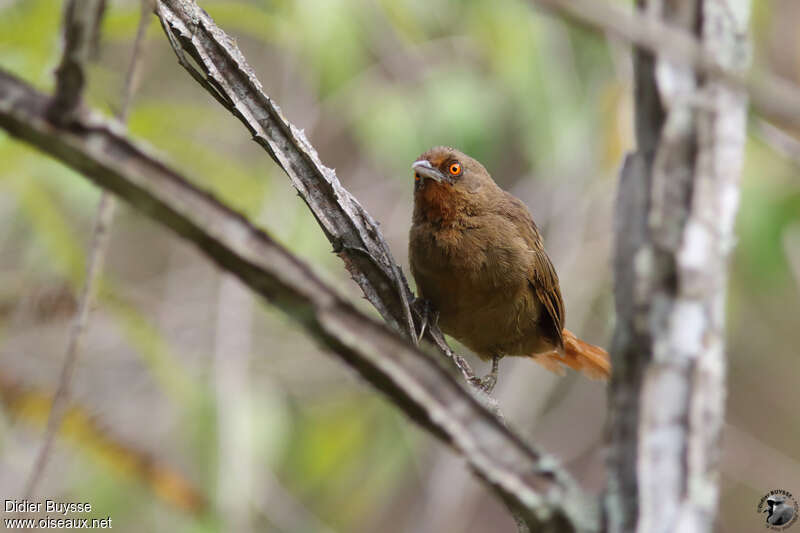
{"x":429,"y":319}
{"x":488,"y":381}
{"x":426,"y":314}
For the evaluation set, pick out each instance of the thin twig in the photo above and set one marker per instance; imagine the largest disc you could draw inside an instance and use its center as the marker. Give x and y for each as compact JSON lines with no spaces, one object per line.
{"x":132,"y":75}
{"x":100,"y":239}
{"x":61,"y":398}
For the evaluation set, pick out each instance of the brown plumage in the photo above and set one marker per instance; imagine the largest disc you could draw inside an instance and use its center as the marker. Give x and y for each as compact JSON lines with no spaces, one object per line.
{"x":478,"y":258}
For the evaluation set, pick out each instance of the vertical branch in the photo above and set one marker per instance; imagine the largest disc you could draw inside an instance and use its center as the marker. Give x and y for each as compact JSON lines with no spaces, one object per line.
{"x":676,"y":204}
{"x":82,"y":19}
{"x":703,"y":258}
{"x":79,"y":32}
{"x":132,"y":74}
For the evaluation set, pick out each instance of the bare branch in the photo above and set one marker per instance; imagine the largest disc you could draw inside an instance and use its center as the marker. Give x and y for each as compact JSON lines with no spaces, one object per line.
{"x":79,"y":29}
{"x":134,"y":66}
{"x":65,"y":104}
{"x":773,"y":96}
{"x":528,"y":481}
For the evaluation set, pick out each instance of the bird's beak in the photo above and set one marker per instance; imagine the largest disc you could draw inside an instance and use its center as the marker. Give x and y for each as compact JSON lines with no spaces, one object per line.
{"x":424,"y":169}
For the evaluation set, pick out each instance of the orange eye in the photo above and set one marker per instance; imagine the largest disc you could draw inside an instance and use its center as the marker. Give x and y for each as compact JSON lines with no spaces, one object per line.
{"x":455,"y":169}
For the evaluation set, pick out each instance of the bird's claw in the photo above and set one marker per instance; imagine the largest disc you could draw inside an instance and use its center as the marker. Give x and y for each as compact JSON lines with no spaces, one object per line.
{"x":427,"y":316}
{"x":486,"y":383}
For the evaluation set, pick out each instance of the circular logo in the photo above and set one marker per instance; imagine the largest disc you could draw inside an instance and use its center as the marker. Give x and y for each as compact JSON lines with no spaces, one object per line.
{"x":779,"y":508}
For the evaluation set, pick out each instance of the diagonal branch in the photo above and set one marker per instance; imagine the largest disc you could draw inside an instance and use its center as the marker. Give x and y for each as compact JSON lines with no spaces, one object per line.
{"x":531,"y":484}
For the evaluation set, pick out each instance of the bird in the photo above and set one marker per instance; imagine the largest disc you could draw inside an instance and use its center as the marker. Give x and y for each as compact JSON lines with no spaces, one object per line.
{"x":482,"y":272}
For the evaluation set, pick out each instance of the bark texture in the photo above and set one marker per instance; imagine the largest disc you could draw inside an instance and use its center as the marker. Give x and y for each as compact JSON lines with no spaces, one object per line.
{"x":677,"y":199}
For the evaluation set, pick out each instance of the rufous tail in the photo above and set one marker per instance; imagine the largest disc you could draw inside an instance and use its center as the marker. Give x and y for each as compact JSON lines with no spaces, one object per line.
{"x":592,"y":360}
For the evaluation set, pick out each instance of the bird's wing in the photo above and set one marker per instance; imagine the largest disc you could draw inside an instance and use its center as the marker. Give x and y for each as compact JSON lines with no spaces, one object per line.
{"x":544,"y":283}
{"x":542,"y":276}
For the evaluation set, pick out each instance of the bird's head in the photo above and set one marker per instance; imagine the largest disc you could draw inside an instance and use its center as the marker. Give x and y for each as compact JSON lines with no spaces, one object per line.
{"x":447,"y":167}
{"x":447,"y":181}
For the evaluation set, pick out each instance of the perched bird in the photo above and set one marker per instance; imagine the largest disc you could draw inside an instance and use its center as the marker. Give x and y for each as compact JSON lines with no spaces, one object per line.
{"x":479,"y":262}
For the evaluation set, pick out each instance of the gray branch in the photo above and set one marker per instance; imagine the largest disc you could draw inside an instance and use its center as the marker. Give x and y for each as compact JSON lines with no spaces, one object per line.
{"x":676,"y":204}
{"x":81,"y":19}
{"x":529,"y":482}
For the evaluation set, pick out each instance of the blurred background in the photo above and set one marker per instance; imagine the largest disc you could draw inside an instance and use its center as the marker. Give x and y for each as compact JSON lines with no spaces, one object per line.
{"x":196,"y":407}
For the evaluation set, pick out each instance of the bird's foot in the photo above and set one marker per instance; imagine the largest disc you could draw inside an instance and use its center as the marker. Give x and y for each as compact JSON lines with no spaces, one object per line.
{"x":486,"y":383}
{"x":427,"y":316}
